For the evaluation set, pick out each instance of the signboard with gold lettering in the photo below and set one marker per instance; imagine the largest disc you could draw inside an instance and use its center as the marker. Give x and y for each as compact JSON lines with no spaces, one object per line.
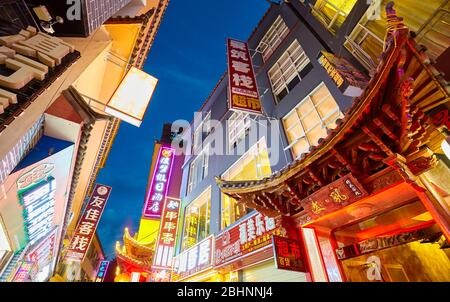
{"x":242,"y":88}
{"x":332,"y":197}
{"x":349,"y":80}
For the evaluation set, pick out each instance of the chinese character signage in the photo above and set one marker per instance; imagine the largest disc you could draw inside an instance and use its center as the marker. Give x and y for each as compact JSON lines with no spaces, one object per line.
{"x":167,"y":235}
{"x":332,"y":197}
{"x":88,"y":223}
{"x":102,"y":270}
{"x":349,"y":80}
{"x":252,"y":234}
{"x":289,"y":254}
{"x":38,"y":203}
{"x":378,"y":243}
{"x":194,"y":260}
{"x":243,"y":91}
{"x":159,"y":184}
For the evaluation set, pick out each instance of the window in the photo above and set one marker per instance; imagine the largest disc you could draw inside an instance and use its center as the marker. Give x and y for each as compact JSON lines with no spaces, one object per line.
{"x":290,"y":68}
{"x":273,"y":38}
{"x":332,"y":13}
{"x":238,"y":126}
{"x":309,"y":121}
{"x":254,"y":164}
{"x":201,"y":132}
{"x":197,"y":220}
{"x":197,"y":139}
{"x":429,"y":22}
{"x":198,"y":169}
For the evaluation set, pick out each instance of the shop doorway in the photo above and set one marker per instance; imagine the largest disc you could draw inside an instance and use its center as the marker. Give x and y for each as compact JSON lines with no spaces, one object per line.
{"x":401,"y":245}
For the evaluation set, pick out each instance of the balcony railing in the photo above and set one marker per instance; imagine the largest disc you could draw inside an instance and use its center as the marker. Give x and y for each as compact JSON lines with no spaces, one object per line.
{"x":331,"y":21}
{"x":357,"y":42}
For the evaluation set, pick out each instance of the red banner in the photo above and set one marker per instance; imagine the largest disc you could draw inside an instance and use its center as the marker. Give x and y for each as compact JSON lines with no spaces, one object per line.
{"x":243,"y":90}
{"x":331,"y":198}
{"x":289,"y":254}
{"x":164,"y":252}
{"x":88,"y":223}
{"x":251,"y":235}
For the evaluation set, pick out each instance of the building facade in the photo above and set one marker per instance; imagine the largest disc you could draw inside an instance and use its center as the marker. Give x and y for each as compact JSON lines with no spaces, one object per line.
{"x":55,"y":132}
{"x":314,"y":61}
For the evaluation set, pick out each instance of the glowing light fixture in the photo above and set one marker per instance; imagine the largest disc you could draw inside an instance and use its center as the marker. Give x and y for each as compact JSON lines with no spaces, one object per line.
{"x":131,"y":99}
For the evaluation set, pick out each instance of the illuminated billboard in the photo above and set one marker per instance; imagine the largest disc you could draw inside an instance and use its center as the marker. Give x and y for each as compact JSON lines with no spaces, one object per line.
{"x":160,"y":183}
{"x":38,"y":208}
{"x":36,"y":199}
{"x":131,"y":99}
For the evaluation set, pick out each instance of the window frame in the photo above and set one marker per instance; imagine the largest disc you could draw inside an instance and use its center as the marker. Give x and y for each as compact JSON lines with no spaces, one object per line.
{"x":254,"y":151}
{"x":313,"y":110}
{"x":284,"y":71}
{"x":204,"y":158}
{"x":203,"y":199}
{"x":238,"y":125}
{"x":276,"y":33}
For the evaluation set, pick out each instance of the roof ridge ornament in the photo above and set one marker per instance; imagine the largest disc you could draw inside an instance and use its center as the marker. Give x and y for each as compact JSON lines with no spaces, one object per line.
{"x":394,"y":25}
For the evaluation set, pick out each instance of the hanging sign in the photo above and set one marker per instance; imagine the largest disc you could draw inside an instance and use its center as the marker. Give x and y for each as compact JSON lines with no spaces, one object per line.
{"x":243,"y":92}
{"x":85,"y":231}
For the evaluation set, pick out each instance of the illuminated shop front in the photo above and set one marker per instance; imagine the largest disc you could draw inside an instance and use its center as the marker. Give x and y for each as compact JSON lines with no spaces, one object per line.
{"x":370,"y":200}
{"x":196,"y":263}
{"x":34,"y":206}
{"x":244,"y":252}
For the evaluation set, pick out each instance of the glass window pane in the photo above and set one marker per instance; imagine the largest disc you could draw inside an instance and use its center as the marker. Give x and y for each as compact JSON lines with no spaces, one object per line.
{"x":310,"y":121}
{"x":290,"y":120}
{"x":305,"y":108}
{"x":327,"y":107}
{"x":294,"y":133}
{"x":330,"y":122}
{"x":320,"y":94}
{"x":315,"y":134}
{"x":300,"y":147}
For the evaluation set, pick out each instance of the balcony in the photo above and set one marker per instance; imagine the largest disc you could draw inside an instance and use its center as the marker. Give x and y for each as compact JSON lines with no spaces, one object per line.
{"x":430,"y":24}
{"x":332,"y":13}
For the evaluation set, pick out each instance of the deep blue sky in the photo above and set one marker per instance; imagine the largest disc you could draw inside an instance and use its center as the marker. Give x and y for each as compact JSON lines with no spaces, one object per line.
{"x":188,"y":57}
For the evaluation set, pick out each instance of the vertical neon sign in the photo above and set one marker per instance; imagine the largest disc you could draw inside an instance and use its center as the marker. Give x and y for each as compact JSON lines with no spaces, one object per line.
{"x":159,"y":184}
{"x":102,"y":269}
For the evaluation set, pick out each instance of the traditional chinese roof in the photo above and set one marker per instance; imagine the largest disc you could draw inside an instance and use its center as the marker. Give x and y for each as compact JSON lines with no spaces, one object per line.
{"x":389,"y":120}
{"x":134,"y":253}
{"x":150,"y":21}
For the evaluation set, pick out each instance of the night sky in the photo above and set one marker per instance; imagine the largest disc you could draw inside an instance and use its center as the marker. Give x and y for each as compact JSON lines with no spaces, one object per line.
{"x":188,"y":57}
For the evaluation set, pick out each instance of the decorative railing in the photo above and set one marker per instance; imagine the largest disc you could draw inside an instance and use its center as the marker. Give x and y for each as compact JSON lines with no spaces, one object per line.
{"x":331,"y":22}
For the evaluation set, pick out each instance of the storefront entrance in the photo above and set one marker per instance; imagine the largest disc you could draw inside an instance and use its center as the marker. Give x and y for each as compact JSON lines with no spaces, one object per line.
{"x":401,"y":245}
{"x":412,"y":262}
